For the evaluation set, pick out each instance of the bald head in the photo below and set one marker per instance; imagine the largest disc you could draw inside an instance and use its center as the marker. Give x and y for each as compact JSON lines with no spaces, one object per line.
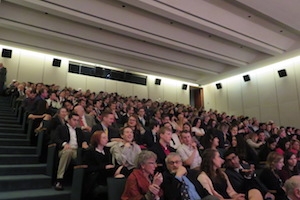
{"x":292,"y":187}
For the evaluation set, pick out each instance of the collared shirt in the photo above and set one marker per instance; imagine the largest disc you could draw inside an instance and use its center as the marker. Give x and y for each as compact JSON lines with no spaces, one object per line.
{"x":191,"y":188}
{"x":186,"y":151}
{"x":73,"y":137}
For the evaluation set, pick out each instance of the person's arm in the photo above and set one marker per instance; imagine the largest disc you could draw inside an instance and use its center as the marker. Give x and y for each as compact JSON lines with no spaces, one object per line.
{"x":207,"y":184}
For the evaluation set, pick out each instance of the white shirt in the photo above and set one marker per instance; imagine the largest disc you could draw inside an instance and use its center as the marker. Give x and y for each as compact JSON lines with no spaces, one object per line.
{"x":186,"y":151}
{"x":73,"y":137}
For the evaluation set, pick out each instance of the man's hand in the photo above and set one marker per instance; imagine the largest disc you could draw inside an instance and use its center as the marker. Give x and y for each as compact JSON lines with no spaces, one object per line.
{"x":85,"y":145}
{"x":181,"y":171}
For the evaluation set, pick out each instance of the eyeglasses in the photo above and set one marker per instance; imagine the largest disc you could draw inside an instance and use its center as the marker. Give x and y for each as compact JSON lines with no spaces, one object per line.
{"x":174,"y":162}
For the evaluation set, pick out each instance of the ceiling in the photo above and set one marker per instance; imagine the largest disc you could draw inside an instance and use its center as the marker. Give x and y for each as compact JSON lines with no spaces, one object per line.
{"x":191,"y":40}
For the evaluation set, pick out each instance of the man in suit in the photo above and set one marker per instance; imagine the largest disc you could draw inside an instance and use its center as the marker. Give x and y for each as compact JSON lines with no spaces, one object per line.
{"x":242,"y":176}
{"x":162,"y":148}
{"x":68,"y":139}
{"x":177,"y":177}
{"x":106,"y":126}
{"x":292,"y":188}
{"x":86,"y":122}
{"x":142,"y":118}
{"x":151,"y":136}
{"x":3,"y":72}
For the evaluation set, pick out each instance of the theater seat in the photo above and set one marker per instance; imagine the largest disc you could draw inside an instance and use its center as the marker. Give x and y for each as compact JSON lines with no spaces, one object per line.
{"x":115,"y":187}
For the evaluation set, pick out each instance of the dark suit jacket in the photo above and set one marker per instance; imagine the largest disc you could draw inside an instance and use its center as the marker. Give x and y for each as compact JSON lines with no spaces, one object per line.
{"x":149,"y":139}
{"x":161,"y":156}
{"x":62,"y":135}
{"x":241,"y":184}
{"x":112,"y":132}
{"x":171,"y":186}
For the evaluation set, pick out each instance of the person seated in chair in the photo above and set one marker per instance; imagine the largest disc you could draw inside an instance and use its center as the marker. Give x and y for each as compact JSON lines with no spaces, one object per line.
{"x":68,"y":139}
{"x":143,"y":182}
{"x":181,"y":183}
{"x":98,"y":159}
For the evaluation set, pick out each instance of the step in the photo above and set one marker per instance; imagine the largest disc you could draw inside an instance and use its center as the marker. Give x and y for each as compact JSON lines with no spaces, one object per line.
{"x":24,"y":182}
{"x":14,"y":142}
{"x":18,"y":150}
{"x":41,"y":194}
{"x":22,"y":169}
{"x":10,"y":125}
{"x":12,"y":136}
{"x":11,"y":130}
{"x":19,"y":159}
{"x":9,"y":121}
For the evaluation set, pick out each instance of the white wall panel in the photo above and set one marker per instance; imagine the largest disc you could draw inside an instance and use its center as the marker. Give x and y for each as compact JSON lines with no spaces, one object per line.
{"x":110,"y":86}
{"x":209,"y":96}
{"x":289,"y":113}
{"x":270,"y":112}
{"x":31,"y":67}
{"x":267,"y":90}
{"x":252,"y":112}
{"x":95,"y":84}
{"x":141,"y":91}
{"x":235,"y":101}
{"x":286,"y":86}
{"x":250,"y":92}
{"x":156,"y":92}
{"x":125,"y":89}
{"x":55,"y":75}
{"x":170,"y":91}
{"x":76,"y":81}
{"x":182,"y":96}
{"x":221,"y":98}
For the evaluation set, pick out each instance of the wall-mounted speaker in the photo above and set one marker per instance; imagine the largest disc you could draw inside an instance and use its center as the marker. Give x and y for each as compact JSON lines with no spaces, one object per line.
{"x":246,"y":78}
{"x":56,"y":62}
{"x":6,"y":53}
{"x":184,"y":86}
{"x":157,"y":81}
{"x":219,"y":86}
{"x":282,"y":73}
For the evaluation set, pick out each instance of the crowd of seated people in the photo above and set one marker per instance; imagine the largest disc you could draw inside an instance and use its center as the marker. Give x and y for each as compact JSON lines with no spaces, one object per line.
{"x":129,"y":125}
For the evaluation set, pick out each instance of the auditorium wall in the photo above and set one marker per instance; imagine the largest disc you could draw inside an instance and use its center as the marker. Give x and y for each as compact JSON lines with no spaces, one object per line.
{"x":266,"y":96}
{"x":36,"y":67}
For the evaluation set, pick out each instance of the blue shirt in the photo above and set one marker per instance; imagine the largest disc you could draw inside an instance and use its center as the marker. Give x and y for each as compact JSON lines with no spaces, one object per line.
{"x":191,"y":188}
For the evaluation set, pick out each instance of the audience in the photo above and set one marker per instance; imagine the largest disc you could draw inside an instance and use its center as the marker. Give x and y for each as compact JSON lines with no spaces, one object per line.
{"x":106,"y":113}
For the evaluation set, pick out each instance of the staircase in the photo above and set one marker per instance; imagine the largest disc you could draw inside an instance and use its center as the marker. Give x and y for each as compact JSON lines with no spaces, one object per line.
{"x":21,"y":174}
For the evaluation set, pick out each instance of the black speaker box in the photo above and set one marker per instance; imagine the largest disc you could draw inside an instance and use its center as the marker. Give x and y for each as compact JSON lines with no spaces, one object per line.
{"x":246,"y":78}
{"x":282,"y":73}
{"x":6,"y":53}
{"x":56,"y":62}
{"x":184,"y":86}
{"x":219,"y":86}
{"x":157,"y":81}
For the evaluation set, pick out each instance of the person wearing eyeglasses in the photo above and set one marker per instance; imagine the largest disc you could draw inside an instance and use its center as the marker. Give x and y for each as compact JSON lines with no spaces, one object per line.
{"x":242,"y":176}
{"x":180,"y":183}
{"x":143,"y":182}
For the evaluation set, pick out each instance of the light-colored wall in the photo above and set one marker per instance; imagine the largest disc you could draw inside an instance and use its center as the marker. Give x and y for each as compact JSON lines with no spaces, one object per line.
{"x":37,"y":67}
{"x":265,"y":96}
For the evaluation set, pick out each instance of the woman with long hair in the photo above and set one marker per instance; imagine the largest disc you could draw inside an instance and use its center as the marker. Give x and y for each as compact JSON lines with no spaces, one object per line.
{"x":138,"y":130}
{"x":290,"y":166}
{"x":270,"y":177}
{"x":213,"y":179}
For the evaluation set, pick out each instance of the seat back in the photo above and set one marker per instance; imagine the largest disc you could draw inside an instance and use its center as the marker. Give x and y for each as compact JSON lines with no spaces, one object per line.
{"x":115,"y":187}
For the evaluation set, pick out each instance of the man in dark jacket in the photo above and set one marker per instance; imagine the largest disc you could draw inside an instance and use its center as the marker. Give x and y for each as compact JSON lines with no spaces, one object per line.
{"x":180,"y":183}
{"x":68,"y":139}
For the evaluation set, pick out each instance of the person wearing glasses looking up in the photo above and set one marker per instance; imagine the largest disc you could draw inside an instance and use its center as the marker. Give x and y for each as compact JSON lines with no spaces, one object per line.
{"x":181,"y":183}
